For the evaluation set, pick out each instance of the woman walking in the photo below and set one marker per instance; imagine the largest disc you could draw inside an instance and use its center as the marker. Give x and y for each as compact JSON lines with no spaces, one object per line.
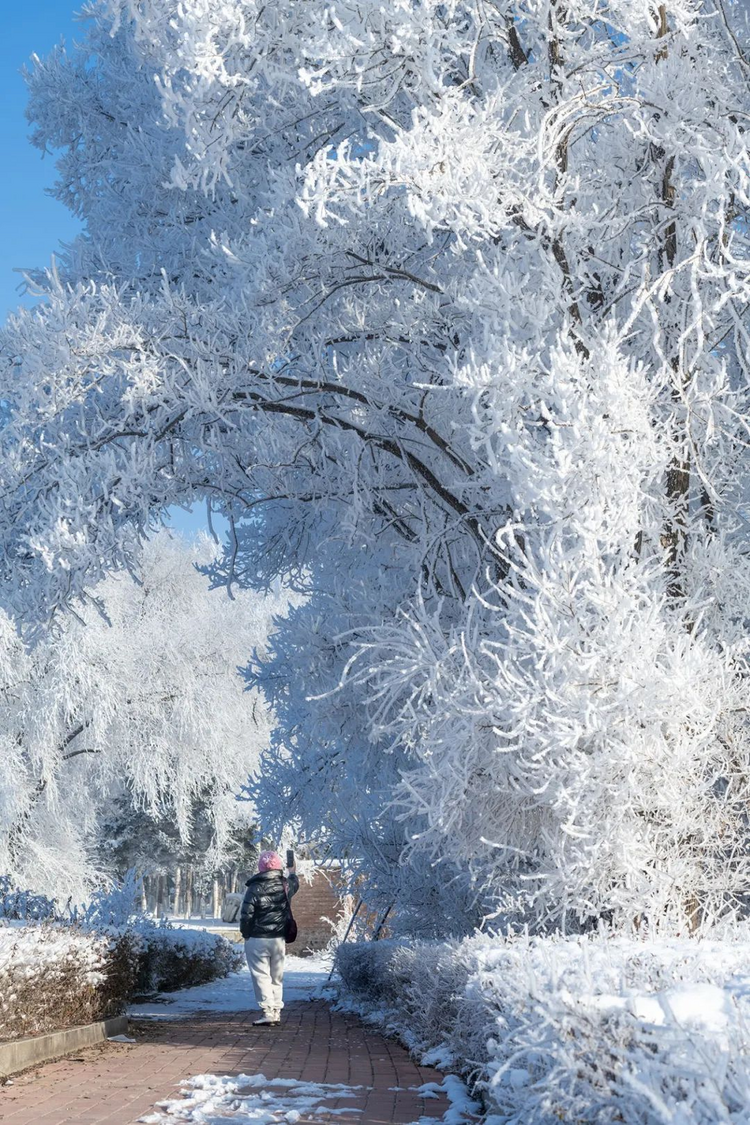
{"x":264,"y":917}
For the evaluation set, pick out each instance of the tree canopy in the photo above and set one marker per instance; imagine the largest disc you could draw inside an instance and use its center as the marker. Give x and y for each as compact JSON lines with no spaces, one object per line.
{"x":132,"y":709}
{"x":444,"y":306}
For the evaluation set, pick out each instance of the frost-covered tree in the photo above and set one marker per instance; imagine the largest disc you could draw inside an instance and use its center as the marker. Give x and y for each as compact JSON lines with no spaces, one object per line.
{"x":444,"y":305}
{"x":135,"y":701}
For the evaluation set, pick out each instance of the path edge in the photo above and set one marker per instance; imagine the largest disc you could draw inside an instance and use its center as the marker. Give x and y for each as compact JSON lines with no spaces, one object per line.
{"x":23,"y":1053}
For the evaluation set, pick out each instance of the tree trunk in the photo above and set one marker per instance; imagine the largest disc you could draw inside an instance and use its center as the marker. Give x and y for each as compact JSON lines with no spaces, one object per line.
{"x":153,"y":903}
{"x":674,"y":536}
{"x":177,"y":890}
{"x":215,"y":905}
{"x":162,"y":902}
{"x":189,"y":891}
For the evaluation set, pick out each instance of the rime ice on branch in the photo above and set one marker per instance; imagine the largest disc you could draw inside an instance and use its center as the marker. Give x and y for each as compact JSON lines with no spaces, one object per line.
{"x":134,"y":703}
{"x":445,"y":306}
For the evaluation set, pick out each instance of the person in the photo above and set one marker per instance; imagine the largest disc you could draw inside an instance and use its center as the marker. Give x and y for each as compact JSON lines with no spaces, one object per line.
{"x":263,"y":918}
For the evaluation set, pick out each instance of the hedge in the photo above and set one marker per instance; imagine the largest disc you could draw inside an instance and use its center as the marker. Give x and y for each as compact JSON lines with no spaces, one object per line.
{"x":54,"y":976}
{"x":588,"y":1030}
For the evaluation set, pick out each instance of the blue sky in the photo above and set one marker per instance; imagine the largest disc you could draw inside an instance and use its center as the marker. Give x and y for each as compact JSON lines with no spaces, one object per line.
{"x":31,"y":223}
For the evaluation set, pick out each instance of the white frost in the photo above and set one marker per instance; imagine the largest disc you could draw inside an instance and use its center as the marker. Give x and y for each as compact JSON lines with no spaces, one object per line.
{"x":253,"y":1098}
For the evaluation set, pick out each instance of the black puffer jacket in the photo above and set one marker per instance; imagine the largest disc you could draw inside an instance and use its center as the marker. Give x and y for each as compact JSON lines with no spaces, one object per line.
{"x":265,"y":908}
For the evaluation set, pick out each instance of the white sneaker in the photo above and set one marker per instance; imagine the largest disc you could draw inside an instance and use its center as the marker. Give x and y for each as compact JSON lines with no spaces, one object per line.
{"x":267,"y":1021}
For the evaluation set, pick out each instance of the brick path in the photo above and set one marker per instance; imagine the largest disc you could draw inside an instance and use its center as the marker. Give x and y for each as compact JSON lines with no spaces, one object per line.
{"x":118,"y":1083}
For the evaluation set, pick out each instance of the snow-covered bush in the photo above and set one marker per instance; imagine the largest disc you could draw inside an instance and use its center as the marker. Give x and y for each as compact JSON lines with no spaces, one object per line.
{"x":59,"y":974}
{"x":116,"y":905}
{"x":24,"y":905}
{"x":593,"y":1030}
{"x":170,"y":958}
{"x":53,"y":977}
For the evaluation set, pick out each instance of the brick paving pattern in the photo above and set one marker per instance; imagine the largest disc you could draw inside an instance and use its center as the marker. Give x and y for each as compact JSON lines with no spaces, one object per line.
{"x":117,"y":1083}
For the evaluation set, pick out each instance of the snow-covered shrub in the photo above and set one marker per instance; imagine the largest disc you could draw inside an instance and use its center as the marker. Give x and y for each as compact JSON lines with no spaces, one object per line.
{"x":592,"y":1030}
{"x":413,"y":989}
{"x":365,"y":968}
{"x":391,"y":976}
{"x":169,"y":958}
{"x":56,"y":975}
{"x":21,"y":905}
{"x":53,"y":977}
{"x":117,"y":905}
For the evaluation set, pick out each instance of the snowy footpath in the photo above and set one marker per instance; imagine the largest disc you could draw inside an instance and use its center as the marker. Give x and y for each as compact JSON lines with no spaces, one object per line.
{"x":270,"y":1098}
{"x":194,"y":1056}
{"x":304,"y":979}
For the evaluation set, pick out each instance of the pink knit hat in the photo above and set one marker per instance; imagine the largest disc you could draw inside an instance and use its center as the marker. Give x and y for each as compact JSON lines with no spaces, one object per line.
{"x":270,"y":861}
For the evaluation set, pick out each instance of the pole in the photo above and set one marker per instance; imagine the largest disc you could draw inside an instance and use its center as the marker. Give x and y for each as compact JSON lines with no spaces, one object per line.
{"x":382,"y":922}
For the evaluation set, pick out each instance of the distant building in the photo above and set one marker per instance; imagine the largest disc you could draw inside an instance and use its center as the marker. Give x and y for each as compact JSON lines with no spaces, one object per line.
{"x":313,"y":903}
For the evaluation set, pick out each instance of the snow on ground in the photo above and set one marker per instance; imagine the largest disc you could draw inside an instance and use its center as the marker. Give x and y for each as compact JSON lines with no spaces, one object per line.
{"x":303,"y":976}
{"x":461,"y":1107}
{"x":213,"y":924}
{"x":253,"y":1099}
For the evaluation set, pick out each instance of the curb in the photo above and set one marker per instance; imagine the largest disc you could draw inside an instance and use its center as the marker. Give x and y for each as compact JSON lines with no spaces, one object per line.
{"x":23,"y":1053}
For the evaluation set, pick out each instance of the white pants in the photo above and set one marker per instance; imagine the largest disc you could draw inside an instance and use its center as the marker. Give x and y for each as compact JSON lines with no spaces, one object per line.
{"x":265,"y":960}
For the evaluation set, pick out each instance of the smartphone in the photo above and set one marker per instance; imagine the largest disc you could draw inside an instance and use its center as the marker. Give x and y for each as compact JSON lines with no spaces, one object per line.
{"x":289,"y":858}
